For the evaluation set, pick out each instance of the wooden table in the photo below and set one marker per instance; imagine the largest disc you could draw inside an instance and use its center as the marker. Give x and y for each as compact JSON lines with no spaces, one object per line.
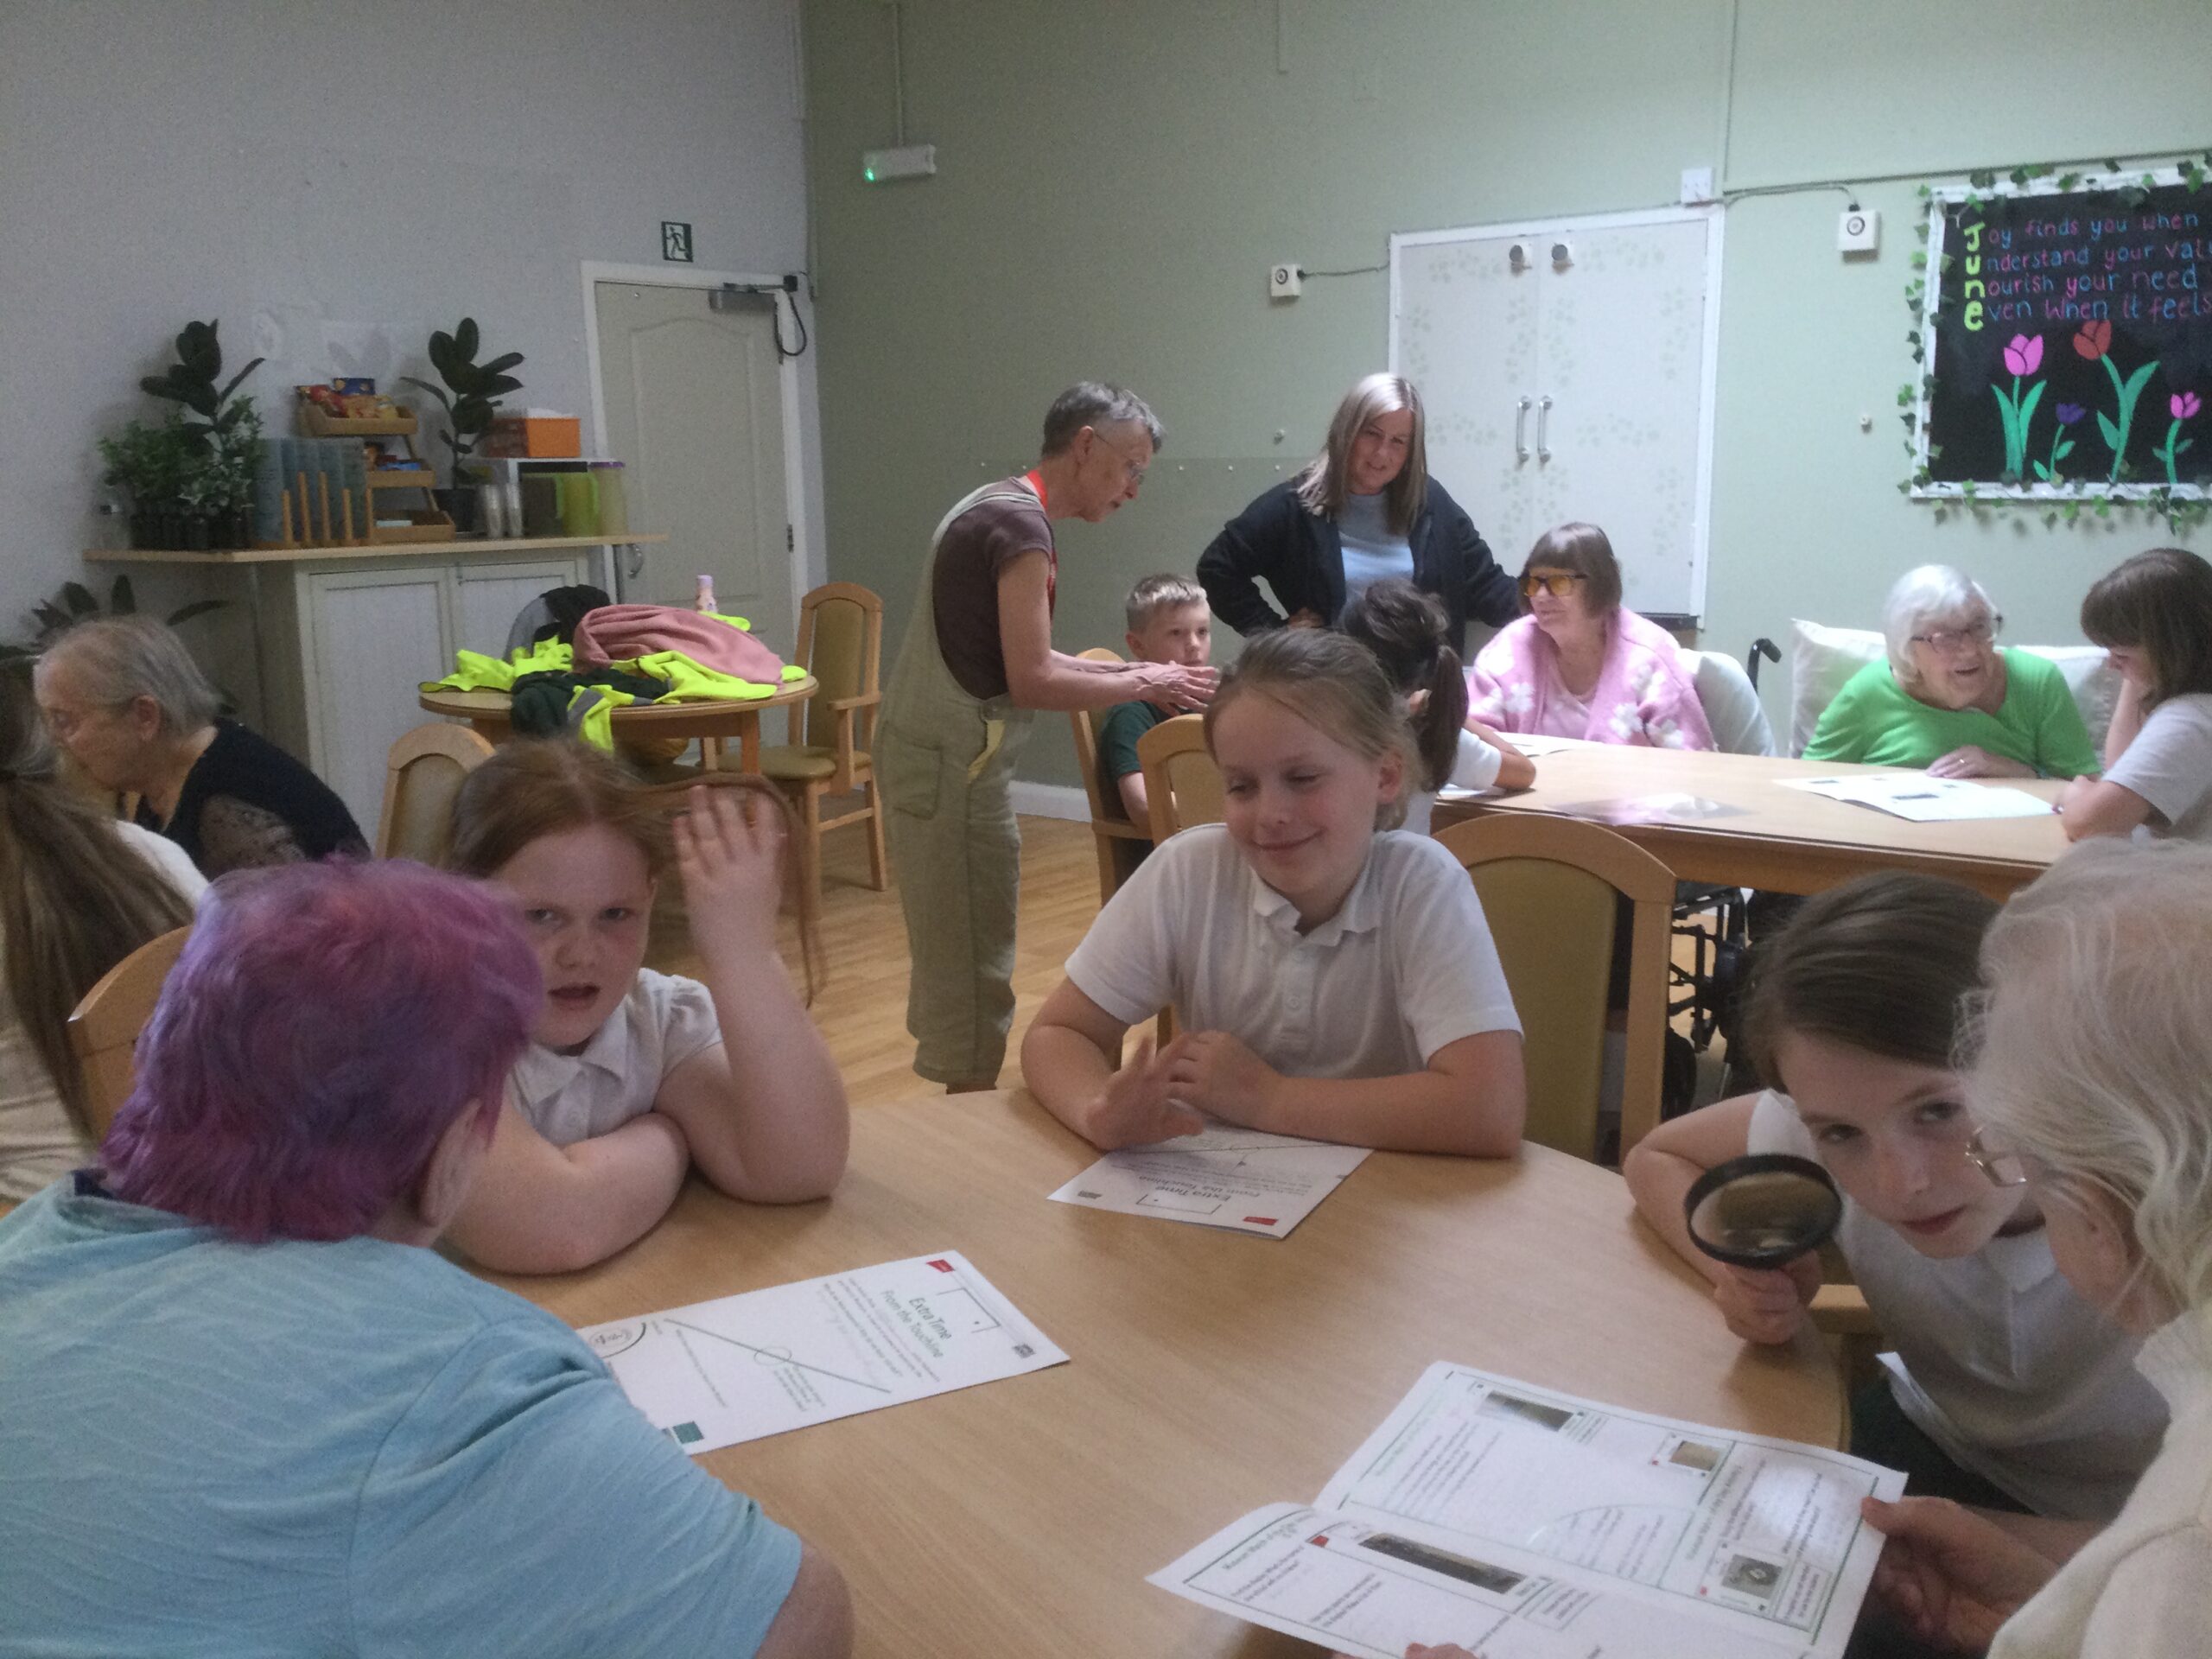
{"x":1783,"y":840}
{"x":1209,"y":1371}
{"x":713,"y":723}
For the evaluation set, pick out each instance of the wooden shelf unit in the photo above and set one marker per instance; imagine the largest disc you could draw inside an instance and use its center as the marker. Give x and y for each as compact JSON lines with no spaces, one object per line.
{"x":368,"y":550}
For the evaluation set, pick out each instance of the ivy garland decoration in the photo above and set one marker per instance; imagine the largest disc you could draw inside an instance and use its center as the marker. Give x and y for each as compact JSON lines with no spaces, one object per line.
{"x":2180,"y":512}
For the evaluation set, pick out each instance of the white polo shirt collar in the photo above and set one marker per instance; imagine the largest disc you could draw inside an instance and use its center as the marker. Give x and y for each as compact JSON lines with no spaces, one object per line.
{"x":1360,"y":911}
{"x":543,"y":1072}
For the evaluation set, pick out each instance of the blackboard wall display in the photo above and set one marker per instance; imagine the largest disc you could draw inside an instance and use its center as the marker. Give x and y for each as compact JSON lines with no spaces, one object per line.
{"x":2069,"y":339}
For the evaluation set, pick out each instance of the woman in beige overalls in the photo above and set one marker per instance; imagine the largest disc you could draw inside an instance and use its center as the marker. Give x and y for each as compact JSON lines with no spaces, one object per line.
{"x":977,"y":665}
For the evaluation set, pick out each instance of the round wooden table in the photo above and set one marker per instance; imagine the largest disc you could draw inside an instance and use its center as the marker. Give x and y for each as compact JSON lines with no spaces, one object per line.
{"x":1209,"y":1371}
{"x":492,"y":713}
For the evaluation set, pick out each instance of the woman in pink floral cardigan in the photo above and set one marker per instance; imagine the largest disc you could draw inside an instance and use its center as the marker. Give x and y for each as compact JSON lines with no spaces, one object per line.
{"x":1579,"y":664}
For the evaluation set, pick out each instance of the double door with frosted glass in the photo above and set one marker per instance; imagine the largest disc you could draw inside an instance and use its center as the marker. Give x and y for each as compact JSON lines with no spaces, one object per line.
{"x":1567,"y":370}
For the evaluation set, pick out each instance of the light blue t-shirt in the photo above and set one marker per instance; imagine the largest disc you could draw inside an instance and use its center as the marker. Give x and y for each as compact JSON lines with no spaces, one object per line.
{"x":212,"y":1448}
{"x":1371,"y":552}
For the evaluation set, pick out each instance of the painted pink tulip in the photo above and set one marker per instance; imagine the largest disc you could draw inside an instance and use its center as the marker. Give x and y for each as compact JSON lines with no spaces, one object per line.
{"x":2184,"y":405}
{"x":2024,"y":354}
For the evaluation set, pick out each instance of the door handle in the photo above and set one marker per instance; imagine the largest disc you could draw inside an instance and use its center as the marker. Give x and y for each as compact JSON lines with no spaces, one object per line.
{"x":1543,"y":426}
{"x":1521,"y":430}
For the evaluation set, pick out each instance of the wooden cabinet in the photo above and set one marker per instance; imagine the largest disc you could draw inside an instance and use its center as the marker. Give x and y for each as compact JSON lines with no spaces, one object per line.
{"x":344,"y":645}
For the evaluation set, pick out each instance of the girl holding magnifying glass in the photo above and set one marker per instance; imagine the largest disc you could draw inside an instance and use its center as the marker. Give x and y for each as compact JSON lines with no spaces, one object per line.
{"x":2006,"y":1389}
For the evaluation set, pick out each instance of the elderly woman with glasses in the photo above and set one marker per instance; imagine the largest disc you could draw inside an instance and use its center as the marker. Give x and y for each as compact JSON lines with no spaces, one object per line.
{"x":2091,"y":1088}
{"x":1949,"y":699}
{"x":1581,"y":664}
{"x":126,"y":700}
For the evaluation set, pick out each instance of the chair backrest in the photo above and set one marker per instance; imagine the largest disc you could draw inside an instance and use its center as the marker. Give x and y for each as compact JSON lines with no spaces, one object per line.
{"x":422,"y":772}
{"x":841,"y":644}
{"x":1105,"y":803}
{"x":757,"y":794}
{"x":104,"y":1025}
{"x":1181,"y":783}
{"x":1821,"y":658}
{"x":1730,"y":702}
{"x":1547,"y":887}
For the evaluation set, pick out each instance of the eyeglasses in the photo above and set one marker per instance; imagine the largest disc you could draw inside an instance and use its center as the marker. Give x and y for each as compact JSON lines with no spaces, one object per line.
{"x":2003,"y":1168}
{"x":1133,"y":468}
{"x":1944,"y":641}
{"x":1558,"y":584}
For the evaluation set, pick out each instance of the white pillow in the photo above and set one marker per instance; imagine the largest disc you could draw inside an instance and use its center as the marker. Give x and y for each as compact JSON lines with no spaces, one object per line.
{"x":1821,"y":658}
{"x":1730,"y":703}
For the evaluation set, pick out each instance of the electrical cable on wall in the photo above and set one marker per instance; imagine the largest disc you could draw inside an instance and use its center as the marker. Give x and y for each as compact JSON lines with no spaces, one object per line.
{"x":788,"y":287}
{"x":1353,"y":270}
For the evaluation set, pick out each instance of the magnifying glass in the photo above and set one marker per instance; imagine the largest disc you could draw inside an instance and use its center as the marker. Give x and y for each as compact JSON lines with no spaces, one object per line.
{"x":1762,"y":1211}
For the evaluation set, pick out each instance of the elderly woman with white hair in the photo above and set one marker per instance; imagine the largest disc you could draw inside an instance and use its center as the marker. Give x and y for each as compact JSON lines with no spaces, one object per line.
{"x":126,"y":700}
{"x":1949,"y":699}
{"x":2093,"y":1089}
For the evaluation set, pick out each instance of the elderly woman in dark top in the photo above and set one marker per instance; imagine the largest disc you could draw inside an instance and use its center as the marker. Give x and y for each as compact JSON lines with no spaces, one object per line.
{"x":1363,"y":509}
{"x":123,"y":696}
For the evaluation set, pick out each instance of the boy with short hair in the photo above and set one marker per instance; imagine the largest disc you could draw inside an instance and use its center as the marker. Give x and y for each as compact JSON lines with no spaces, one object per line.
{"x":1168,"y":622}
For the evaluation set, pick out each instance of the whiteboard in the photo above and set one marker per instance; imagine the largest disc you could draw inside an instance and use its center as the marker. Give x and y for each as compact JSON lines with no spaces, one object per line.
{"x":1580,"y":388}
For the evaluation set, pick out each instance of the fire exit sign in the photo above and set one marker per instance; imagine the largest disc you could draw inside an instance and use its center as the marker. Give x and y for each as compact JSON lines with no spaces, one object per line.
{"x":675,"y":241}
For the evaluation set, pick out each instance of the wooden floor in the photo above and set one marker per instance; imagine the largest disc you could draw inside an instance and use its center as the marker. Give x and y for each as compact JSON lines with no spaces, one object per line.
{"x":862,"y":1005}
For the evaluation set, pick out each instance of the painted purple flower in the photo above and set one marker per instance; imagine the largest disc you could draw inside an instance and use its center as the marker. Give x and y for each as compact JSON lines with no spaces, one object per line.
{"x":2024,"y":354}
{"x":2185,"y":404}
{"x":2069,"y":413}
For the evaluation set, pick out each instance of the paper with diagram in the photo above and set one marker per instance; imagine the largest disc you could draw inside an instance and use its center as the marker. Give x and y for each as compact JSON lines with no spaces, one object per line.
{"x":1222,"y":1176}
{"x":1523,"y":1523}
{"x":1922,"y":799}
{"x":742,"y":1368}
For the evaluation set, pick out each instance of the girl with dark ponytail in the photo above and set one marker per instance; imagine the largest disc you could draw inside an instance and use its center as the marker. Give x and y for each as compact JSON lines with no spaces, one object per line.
{"x":1408,"y":633}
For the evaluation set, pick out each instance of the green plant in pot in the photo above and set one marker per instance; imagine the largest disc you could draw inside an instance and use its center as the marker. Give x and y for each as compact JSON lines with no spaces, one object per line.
{"x":217,"y":489}
{"x":149,"y":464}
{"x":190,"y":479}
{"x":470,"y":398}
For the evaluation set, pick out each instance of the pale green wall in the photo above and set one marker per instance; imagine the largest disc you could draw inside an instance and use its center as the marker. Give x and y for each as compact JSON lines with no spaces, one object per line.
{"x":1116,"y":175}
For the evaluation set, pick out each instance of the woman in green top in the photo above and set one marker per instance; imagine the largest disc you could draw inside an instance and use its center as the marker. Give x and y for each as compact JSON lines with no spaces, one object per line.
{"x":1948,"y":699}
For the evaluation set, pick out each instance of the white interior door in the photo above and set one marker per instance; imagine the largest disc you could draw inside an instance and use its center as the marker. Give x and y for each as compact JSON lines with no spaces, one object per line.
{"x":1620,"y":353}
{"x":694,"y":409}
{"x":1465,"y":334}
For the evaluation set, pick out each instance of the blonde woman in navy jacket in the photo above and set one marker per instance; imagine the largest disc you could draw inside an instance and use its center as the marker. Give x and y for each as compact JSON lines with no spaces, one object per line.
{"x":1364,"y":509}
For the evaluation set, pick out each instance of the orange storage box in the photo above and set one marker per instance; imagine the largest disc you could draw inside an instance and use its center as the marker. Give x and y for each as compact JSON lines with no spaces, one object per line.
{"x":536,"y":437}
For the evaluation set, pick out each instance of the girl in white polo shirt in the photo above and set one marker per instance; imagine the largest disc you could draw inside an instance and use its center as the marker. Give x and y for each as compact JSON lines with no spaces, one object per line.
{"x":632,"y":1078}
{"x":1330,"y":978}
{"x":2007,"y":1388}
{"x":2154,"y":615}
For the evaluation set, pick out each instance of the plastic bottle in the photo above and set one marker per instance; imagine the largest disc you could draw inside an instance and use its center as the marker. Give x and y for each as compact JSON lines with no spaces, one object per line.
{"x":703,"y":601}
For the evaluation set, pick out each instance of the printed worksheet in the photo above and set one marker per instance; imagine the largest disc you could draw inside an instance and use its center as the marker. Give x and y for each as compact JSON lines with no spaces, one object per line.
{"x":1361,"y":1590}
{"x":1924,"y":799}
{"x":1544,"y":1524}
{"x":1221,"y":1177}
{"x":742,"y":1368}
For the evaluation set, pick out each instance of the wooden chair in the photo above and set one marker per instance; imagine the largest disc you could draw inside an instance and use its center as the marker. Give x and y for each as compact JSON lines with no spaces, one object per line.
{"x":1547,"y":886}
{"x":1181,"y":783}
{"x":674,"y":795}
{"x":104,"y":1026}
{"x":422,"y":772}
{"x":1112,"y":835}
{"x":841,"y":644}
